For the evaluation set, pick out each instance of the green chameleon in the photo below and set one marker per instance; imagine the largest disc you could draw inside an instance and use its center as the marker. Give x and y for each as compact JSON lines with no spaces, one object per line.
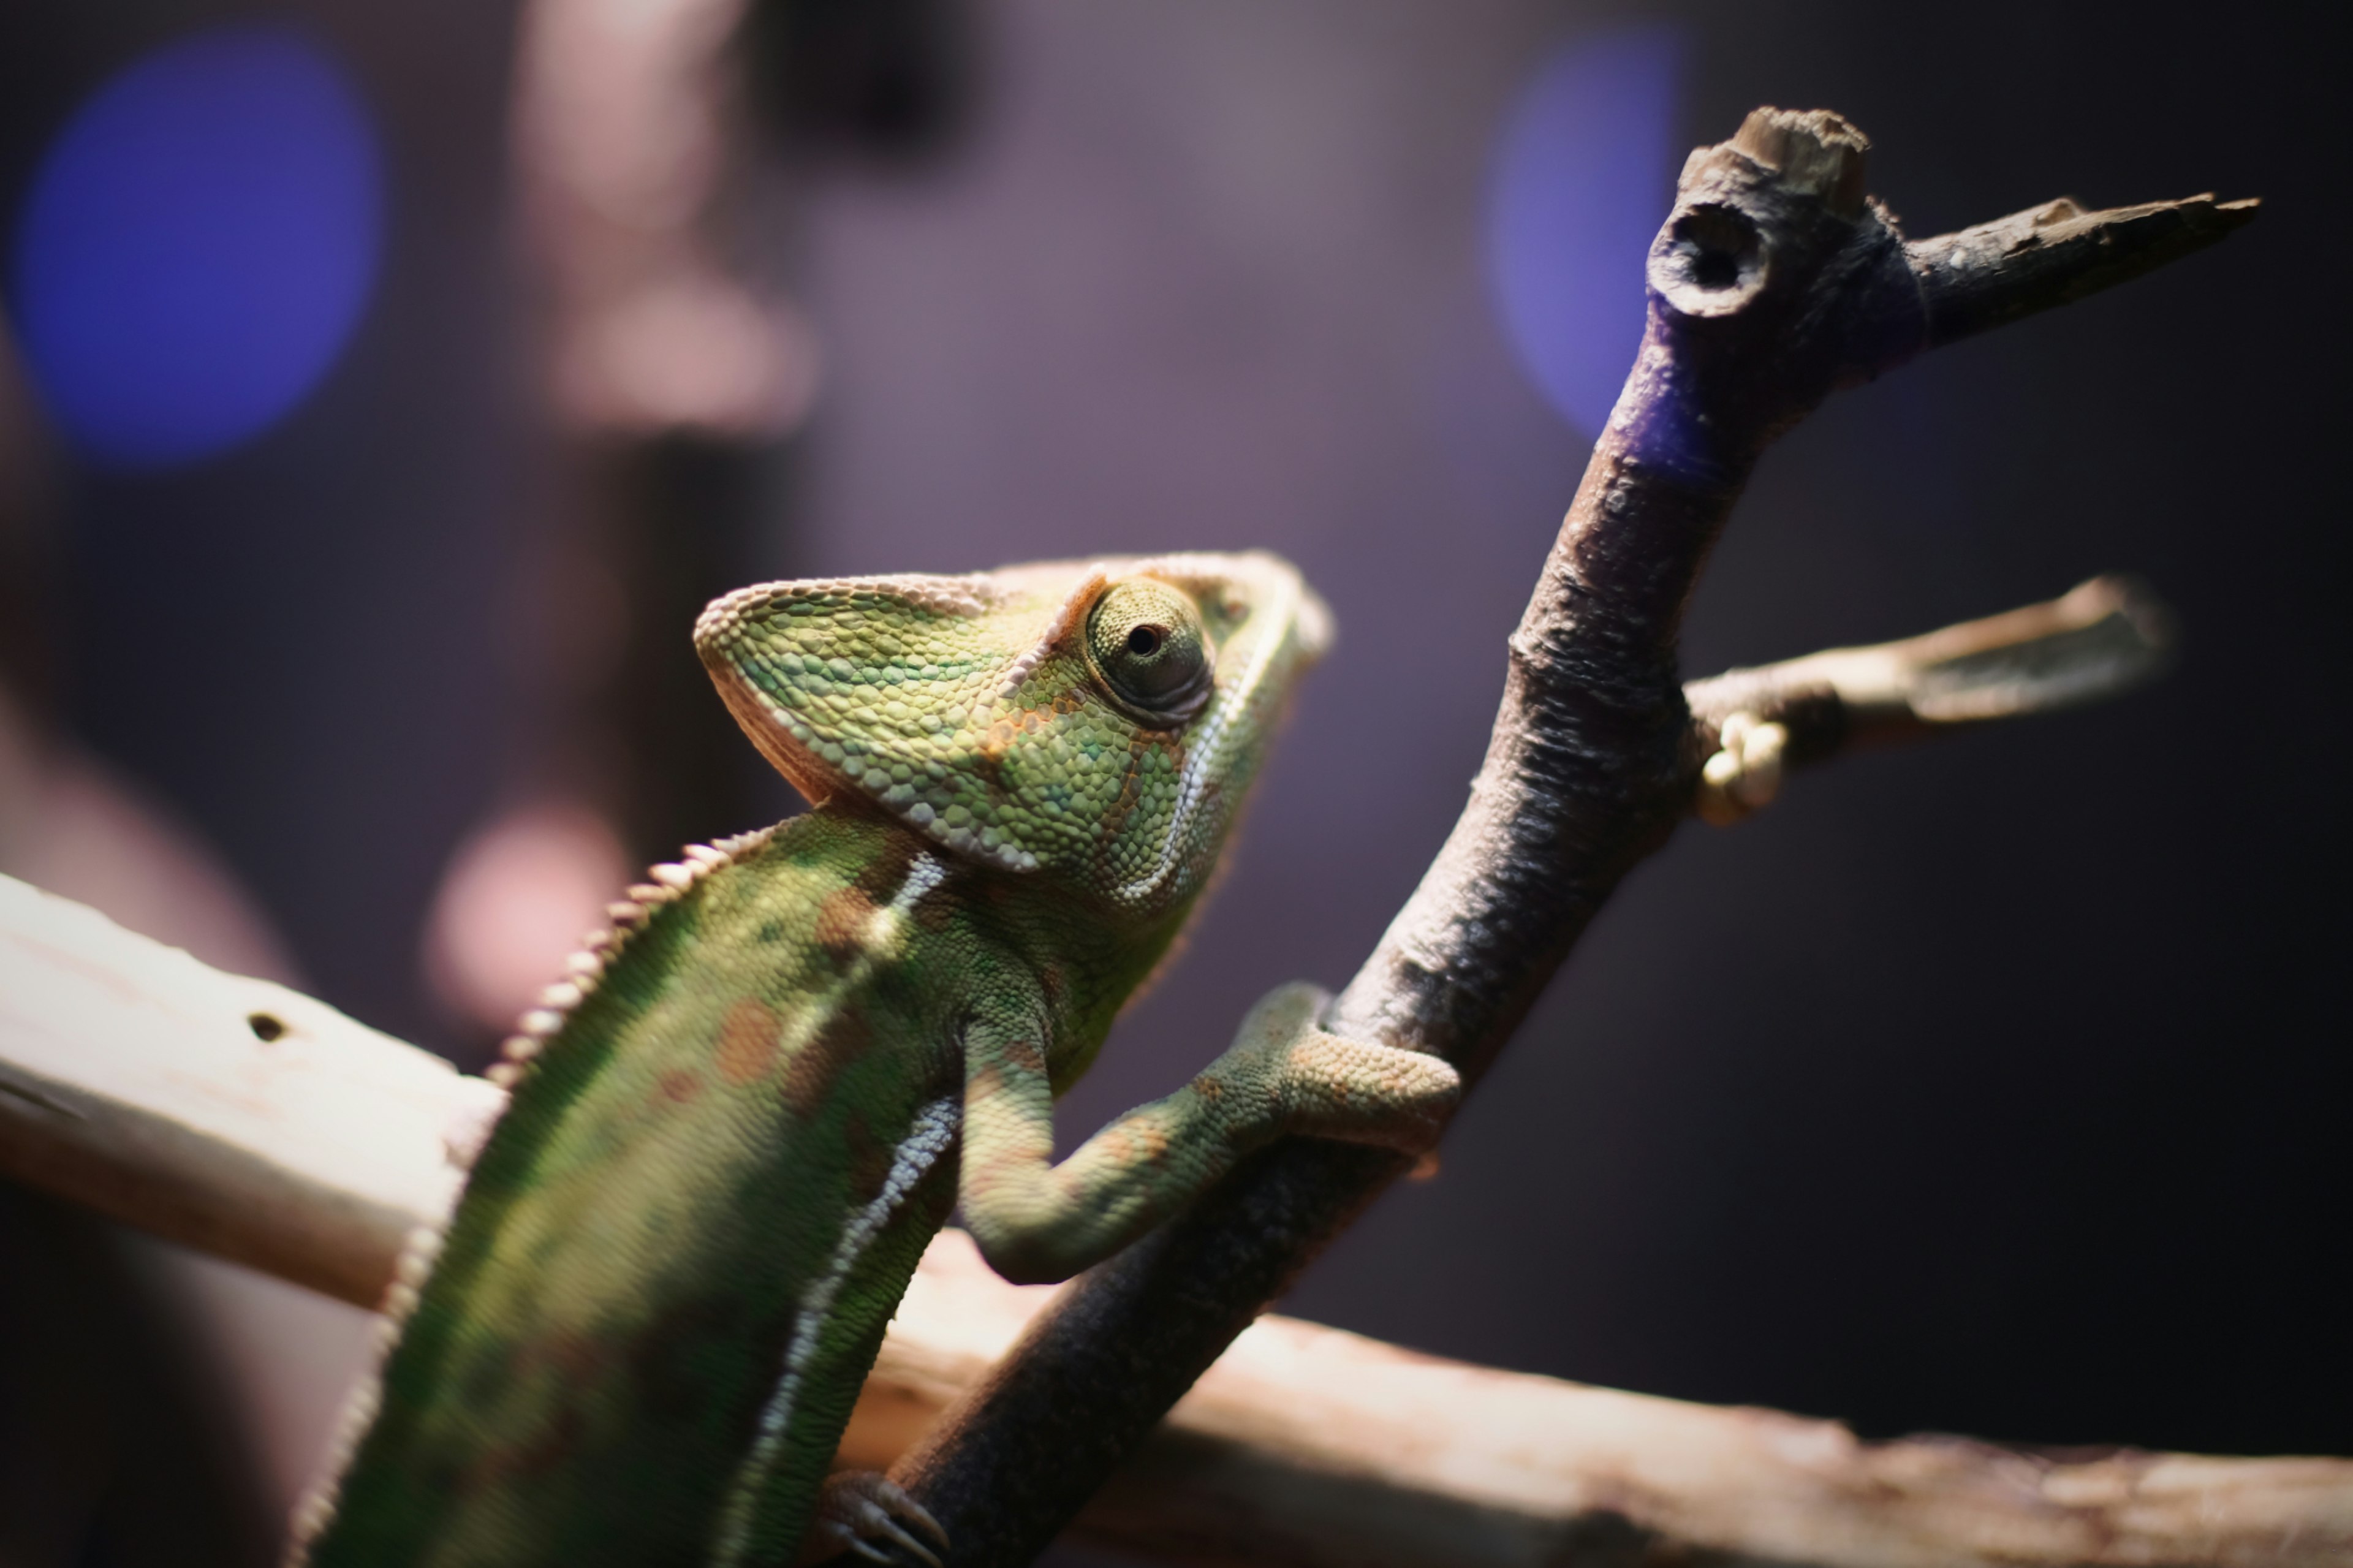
{"x":736,"y":1125}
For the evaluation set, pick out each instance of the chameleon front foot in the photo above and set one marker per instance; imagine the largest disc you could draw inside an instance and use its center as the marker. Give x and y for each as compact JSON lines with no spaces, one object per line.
{"x":860,"y":1511}
{"x":1328,"y":1086}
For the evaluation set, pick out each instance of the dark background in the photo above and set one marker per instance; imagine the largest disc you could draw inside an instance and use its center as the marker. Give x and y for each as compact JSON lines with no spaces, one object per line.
{"x":1995,"y":1086}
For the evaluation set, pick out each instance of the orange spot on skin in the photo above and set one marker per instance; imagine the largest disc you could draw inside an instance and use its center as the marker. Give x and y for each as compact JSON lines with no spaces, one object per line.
{"x":1119,"y":1145}
{"x":679,"y":1085}
{"x":1131,"y":785}
{"x":747,"y":1043}
{"x":842,"y":922}
{"x":809,"y":1077}
{"x":998,"y":738}
{"x":1137,"y":1140}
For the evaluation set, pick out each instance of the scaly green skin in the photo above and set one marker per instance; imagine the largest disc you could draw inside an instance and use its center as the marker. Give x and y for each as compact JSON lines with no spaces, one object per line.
{"x":746,"y":1114}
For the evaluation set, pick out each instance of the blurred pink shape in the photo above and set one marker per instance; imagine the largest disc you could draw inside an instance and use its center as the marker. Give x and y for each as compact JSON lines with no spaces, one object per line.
{"x":625,"y":151}
{"x":514,"y":903}
{"x":70,"y":825}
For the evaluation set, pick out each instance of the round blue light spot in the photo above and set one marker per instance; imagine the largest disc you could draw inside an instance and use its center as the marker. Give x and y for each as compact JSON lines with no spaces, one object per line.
{"x":197,"y":244}
{"x":1583,"y":177}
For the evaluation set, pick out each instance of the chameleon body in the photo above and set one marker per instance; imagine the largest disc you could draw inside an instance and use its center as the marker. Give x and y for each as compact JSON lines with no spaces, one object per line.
{"x":734,"y":1130}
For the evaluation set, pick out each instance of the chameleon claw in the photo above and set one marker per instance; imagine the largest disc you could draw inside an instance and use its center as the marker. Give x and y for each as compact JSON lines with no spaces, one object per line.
{"x":909,"y":1544}
{"x":919,"y":1516}
{"x":860,"y":1512}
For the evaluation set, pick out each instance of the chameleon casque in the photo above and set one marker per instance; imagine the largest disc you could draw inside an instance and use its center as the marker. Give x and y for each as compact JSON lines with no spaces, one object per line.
{"x":735,"y":1126}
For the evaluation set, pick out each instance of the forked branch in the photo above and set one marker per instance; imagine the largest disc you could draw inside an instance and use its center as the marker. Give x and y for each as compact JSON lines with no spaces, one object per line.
{"x":1774,"y":281}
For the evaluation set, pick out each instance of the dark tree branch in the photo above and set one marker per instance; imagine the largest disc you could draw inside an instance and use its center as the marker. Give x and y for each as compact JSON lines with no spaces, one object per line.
{"x":1773,"y":282}
{"x":2056,"y":254}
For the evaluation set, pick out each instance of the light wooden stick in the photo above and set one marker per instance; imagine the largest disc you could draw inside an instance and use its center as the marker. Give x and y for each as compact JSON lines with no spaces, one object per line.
{"x":231,"y":1115}
{"x":245,"y":1119}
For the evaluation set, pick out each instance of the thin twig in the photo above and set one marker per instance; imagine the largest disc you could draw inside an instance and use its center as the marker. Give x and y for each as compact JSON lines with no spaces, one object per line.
{"x":311,"y":1152}
{"x":2104,"y":637}
{"x":2055,"y":254}
{"x":1773,"y":282}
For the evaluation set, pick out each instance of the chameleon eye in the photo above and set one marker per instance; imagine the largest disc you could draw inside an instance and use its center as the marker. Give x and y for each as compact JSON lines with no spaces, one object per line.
{"x":1146,"y":641}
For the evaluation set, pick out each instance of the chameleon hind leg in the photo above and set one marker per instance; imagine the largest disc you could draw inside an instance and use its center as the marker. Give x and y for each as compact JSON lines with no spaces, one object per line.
{"x":782,"y":1507}
{"x":1038,"y":1221}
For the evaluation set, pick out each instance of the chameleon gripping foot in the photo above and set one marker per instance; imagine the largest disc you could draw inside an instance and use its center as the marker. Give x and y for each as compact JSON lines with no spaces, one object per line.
{"x":855,"y":1514}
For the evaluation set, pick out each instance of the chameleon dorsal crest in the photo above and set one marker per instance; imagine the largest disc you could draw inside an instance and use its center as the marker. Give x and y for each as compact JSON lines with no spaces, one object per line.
{"x":1094,"y":720}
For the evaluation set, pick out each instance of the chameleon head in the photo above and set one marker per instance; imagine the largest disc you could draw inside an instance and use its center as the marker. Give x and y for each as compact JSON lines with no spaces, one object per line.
{"x":1095,"y":721}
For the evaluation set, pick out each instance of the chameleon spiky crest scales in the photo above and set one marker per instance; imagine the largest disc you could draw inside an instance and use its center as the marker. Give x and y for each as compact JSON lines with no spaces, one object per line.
{"x":740,"y":1115}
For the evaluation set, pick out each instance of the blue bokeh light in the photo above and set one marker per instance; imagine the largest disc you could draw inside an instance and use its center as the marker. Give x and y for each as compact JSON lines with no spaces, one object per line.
{"x":1584,"y":175}
{"x":197,"y":246}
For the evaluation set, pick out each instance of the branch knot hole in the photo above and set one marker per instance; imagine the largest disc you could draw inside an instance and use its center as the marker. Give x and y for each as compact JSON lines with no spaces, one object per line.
{"x":1710,"y":261}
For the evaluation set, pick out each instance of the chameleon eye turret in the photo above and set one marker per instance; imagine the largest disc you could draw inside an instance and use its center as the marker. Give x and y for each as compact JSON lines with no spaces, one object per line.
{"x":1146,"y":642}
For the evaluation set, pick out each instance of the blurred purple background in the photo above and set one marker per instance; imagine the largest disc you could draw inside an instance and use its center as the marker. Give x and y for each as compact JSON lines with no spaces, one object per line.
{"x":1997,"y":1087}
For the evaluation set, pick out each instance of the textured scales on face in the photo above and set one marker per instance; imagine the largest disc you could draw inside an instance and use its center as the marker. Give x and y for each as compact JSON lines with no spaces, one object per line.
{"x":1096,"y":720}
